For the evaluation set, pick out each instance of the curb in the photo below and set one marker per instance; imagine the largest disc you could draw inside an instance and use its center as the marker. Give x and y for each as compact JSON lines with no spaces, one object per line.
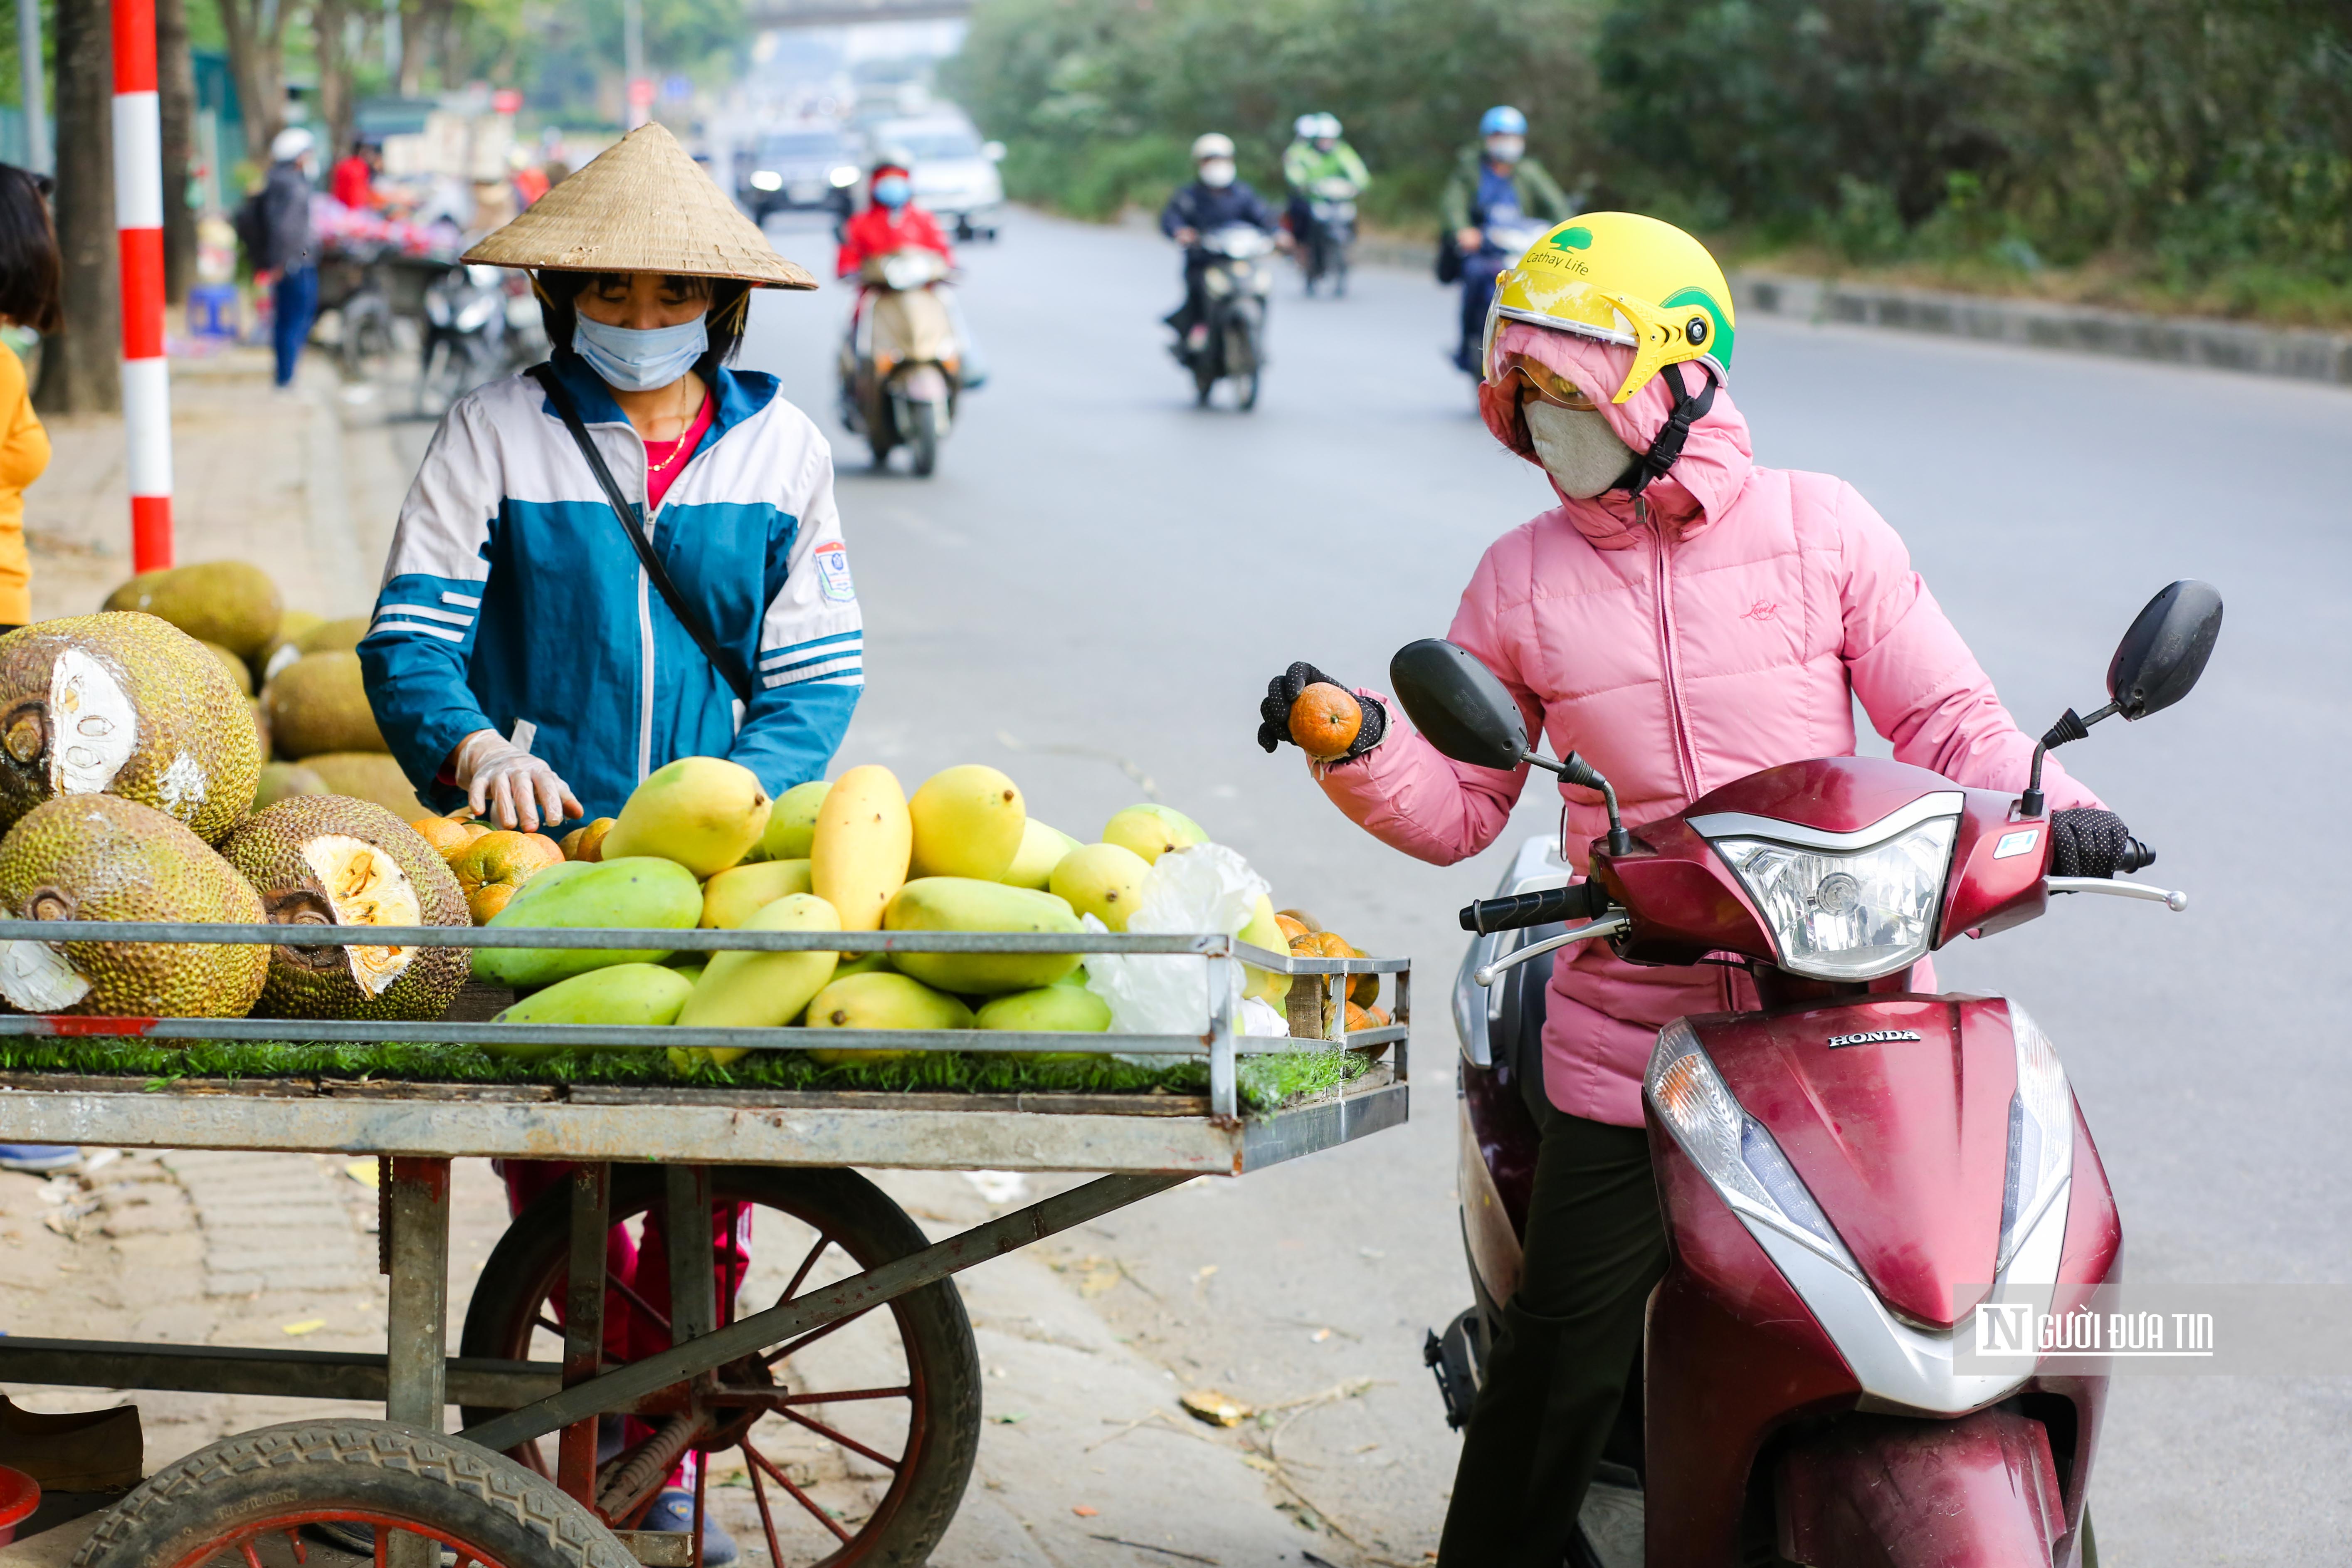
{"x":2299,"y":355}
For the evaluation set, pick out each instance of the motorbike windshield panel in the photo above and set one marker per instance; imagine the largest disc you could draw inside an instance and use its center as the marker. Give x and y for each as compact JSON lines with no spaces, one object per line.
{"x":1895,"y":1114}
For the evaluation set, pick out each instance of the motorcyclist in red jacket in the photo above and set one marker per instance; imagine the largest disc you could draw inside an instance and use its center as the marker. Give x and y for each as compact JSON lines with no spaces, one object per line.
{"x":891,"y":221}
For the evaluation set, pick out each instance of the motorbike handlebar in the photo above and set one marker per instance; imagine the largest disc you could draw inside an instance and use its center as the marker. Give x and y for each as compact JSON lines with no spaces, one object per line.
{"x":1585,"y":901}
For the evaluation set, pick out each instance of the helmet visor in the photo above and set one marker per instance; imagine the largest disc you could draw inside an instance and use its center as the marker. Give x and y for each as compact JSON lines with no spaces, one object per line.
{"x":1516,"y":375}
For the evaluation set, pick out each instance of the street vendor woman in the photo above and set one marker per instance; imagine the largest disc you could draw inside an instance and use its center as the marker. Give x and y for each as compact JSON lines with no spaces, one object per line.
{"x":534,"y":654}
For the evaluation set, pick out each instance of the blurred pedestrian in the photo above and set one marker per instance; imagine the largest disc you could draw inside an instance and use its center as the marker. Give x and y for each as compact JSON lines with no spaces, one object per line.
{"x":1496,"y":194}
{"x":29,"y":271}
{"x":353,"y":180}
{"x":1217,"y":198}
{"x":288,"y":251}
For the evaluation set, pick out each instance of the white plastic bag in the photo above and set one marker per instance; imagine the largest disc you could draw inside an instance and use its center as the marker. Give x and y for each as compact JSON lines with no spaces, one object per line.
{"x":1207,"y":887}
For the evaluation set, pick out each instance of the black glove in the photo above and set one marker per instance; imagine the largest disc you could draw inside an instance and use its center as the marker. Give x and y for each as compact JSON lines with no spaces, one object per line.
{"x":2088,"y":842}
{"x":1283,"y":690}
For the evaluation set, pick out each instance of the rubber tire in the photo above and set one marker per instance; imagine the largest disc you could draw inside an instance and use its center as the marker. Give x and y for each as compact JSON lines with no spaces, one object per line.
{"x":1204,"y":378}
{"x":398,"y":1471}
{"x":923,"y":441}
{"x":1248,"y":398}
{"x":869,"y":1225}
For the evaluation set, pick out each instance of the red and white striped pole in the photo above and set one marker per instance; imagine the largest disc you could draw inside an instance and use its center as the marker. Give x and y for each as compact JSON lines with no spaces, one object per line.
{"x":139,"y":218}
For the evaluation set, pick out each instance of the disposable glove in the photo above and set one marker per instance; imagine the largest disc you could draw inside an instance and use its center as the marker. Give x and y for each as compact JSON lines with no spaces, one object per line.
{"x":2088,"y":842}
{"x":1283,"y":690}
{"x":510,"y":786}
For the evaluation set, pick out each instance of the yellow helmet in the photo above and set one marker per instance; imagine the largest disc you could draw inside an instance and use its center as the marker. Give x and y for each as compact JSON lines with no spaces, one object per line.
{"x":1622,"y":278}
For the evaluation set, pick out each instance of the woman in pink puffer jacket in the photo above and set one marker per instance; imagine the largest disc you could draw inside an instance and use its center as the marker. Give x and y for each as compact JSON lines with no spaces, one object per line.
{"x":1682,"y":632}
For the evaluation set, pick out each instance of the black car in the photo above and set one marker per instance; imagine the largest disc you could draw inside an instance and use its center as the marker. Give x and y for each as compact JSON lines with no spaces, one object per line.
{"x":810,"y":169}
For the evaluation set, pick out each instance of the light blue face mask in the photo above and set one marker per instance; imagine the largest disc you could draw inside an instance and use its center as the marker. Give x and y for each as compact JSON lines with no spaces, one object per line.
{"x":894,"y":191}
{"x":639,"y":359}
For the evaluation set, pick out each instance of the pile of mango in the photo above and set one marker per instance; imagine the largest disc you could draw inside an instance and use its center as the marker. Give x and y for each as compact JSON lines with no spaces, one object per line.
{"x":699,"y":845}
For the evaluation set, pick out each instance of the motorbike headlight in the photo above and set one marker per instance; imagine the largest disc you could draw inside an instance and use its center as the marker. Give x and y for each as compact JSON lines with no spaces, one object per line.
{"x":845,"y":176}
{"x":2041,"y":1135}
{"x":1218,"y":282}
{"x":1734,"y":1150}
{"x":1848,"y":914}
{"x":477,"y":314}
{"x":767,"y":180}
{"x":902,"y":275}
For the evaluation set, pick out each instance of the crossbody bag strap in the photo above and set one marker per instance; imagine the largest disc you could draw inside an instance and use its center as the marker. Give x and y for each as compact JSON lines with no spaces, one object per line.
{"x":724,"y":661}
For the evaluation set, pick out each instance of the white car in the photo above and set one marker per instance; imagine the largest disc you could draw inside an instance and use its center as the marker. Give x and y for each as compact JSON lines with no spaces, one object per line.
{"x":954,"y":170}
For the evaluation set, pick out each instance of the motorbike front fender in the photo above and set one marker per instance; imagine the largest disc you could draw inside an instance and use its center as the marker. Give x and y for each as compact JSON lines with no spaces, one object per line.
{"x":1883,"y":1491}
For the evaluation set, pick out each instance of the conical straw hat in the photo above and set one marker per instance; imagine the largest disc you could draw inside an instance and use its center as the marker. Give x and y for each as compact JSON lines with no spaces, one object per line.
{"x":641,"y":206}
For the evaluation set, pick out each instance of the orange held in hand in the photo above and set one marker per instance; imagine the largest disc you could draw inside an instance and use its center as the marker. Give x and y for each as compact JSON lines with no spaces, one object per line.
{"x":1325,"y":721}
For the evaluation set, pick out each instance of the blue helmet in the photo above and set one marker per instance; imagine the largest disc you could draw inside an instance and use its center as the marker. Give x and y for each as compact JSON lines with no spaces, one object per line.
{"x":1502,"y":121}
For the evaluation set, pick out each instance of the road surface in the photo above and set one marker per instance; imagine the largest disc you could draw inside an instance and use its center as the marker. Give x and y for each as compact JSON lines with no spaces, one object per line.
{"x":1099,"y":582}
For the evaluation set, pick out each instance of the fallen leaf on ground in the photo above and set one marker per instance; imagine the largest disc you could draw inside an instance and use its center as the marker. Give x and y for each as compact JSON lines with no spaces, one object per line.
{"x":1319,"y":1335}
{"x":1217,"y":1409}
{"x":1083,"y":1512}
{"x":1260,"y":1462}
{"x":307,"y":1326}
{"x":1099,"y":1279}
{"x":1011,"y":1418}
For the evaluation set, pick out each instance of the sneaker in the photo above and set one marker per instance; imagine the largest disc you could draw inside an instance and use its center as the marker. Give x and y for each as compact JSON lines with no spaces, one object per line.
{"x":672,"y":1512}
{"x":40,"y":1159}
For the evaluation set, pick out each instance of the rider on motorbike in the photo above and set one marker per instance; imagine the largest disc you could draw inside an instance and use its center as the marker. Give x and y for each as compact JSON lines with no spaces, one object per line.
{"x":1494,"y":185}
{"x":892,"y":221}
{"x":1683,"y":618}
{"x":1317,"y":153}
{"x":1217,"y":198}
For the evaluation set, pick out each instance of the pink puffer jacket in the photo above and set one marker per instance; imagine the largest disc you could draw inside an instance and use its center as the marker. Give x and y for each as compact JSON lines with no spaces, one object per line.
{"x":1713,"y":630}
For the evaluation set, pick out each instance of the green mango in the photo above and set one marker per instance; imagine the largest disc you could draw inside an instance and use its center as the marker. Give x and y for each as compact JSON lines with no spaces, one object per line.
{"x":965,"y":904}
{"x":1049,"y":1007}
{"x":625,"y":994}
{"x":792,"y":823}
{"x":631,"y":892}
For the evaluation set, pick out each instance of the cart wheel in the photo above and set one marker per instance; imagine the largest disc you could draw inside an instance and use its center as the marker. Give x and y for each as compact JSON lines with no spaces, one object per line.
{"x":226,"y":1502}
{"x":873,"y":1453}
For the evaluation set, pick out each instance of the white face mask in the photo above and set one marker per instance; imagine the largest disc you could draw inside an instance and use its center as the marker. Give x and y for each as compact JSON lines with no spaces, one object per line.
{"x":1217,"y":173}
{"x":1576,"y":448}
{"x":1505,"y":149}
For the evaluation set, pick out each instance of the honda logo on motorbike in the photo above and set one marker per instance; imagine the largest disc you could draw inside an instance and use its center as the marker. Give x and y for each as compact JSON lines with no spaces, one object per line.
{"x":1872,"y":1037}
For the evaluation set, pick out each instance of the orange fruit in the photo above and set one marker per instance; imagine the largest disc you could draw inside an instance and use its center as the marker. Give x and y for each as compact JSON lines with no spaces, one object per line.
{"x":1325,"y":721}
{"x":1305,"y":919}
{"x":586,"y":842}
{"x":1292,"y":928}
{"x":448,"y":836}
{"x":493,"y":867}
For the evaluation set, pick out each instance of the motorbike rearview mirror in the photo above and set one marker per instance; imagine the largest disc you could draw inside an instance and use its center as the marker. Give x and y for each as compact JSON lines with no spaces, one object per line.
{"x":2165,"y":651}
{"x":1460,"y":707}
{"x":2160,"y":658}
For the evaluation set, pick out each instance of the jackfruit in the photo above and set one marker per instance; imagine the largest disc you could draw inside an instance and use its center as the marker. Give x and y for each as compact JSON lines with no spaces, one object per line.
{"x":1152,"y":830}
{"x":239,"y":674}
{"x":318,"y":704}
{"x":792,"y":823}
{"x":231,"y":603}
{"x":634,"y":894}
{"x":965,"y":904}
{"x":101,"y":857}
{"x":327,"y":859}
{"x":333,"y":637}
{"x":281,"y":650}
{"x":124,"y":704}
{"x":701,"y":812}
{"x":968,"y":822}
{"x":284,"y":781}
{"x":369,"y":775}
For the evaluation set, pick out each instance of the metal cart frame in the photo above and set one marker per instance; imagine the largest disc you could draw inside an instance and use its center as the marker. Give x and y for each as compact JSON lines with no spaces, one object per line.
{"x":1144,"y":1143}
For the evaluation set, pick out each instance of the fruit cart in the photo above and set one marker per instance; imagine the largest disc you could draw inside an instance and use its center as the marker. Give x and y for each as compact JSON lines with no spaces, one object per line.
{"x":829,"y":1316}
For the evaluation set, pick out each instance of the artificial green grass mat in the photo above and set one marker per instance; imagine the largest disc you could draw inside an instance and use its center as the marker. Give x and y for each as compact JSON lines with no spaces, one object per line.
{"x":1266,"y":1082}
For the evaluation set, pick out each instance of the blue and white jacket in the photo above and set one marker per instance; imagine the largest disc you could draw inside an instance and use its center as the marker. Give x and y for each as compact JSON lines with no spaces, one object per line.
{"x":512,"y":601}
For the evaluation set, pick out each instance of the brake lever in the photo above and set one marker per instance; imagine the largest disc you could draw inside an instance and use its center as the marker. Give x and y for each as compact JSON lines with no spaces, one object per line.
{"x":2115,"y":887}
{"x":1608,"y":925}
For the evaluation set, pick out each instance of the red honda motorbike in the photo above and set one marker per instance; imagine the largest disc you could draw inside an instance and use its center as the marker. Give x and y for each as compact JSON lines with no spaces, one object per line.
{"x":1848,"y":1173}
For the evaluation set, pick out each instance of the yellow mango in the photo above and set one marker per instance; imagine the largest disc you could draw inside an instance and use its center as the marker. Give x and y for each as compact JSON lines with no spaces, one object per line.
{"x":1041,"y":848}
{"x":881,"y":1000}
{"x":1152,"y":830}
{"x":792,"y":822}
{"x":860,"y":847}
{"x":1264,"y":931}
{"x":761,"y":990}
{"x":702,"y":812}
{"x":732,"y":896}
{"x":967,"y":904}
{"x":967,"y":822}
{"x":1100,"y":879}
{"x":625,"y":994}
